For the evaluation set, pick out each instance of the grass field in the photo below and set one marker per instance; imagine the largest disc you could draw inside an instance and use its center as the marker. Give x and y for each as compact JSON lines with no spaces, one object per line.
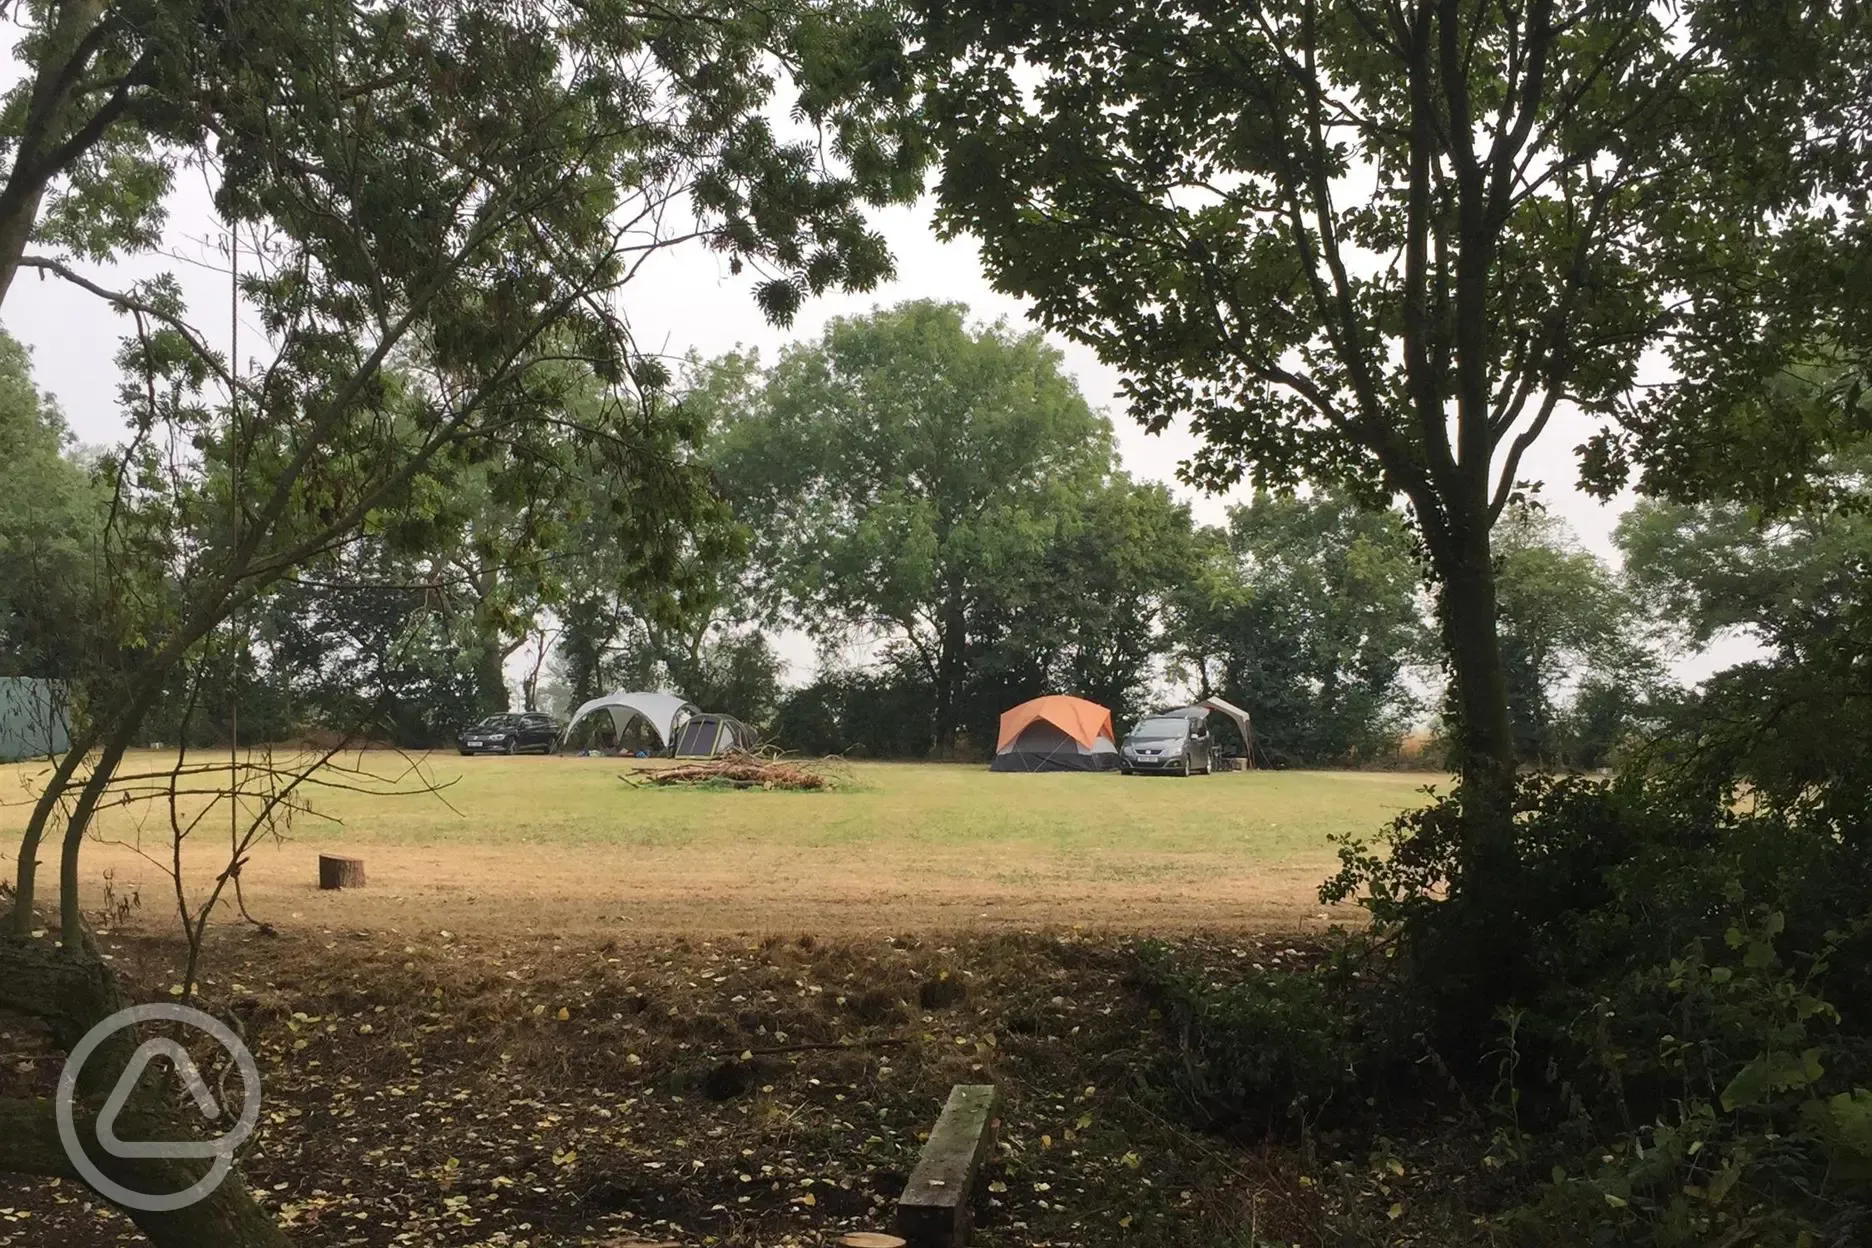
{"x":562,"y":844}
{"x":570,"y":1011}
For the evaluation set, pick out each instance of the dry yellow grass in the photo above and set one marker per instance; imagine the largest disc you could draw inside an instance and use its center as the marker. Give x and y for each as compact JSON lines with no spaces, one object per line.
{"x":561,"y":844}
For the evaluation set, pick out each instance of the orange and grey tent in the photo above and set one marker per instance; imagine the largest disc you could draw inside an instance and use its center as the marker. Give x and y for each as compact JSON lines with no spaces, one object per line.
{"x":1056,"y":734}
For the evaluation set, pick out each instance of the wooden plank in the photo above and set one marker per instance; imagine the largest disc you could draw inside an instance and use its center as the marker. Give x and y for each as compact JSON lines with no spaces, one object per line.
{"x":936,"y":1209}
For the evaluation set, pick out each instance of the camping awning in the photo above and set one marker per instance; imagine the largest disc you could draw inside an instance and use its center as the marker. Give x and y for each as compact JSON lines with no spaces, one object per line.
{"x":664,"y":712}
{"x":1202,"y":709}
{"x":1083,"y":721}
{"x":1232,"y":711}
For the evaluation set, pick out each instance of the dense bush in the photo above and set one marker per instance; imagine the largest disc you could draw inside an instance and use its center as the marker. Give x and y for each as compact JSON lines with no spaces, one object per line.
{"x":1681,"y":1071}
{"x":858,"y":714}
{"x":1668,"y":1040}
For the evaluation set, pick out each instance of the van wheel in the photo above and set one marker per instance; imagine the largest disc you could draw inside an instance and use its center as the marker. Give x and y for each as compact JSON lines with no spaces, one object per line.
{"x":1186,"y":769}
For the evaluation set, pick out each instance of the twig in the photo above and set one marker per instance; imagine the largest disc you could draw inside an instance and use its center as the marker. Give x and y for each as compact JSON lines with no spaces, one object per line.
{"x":830,"y":1046}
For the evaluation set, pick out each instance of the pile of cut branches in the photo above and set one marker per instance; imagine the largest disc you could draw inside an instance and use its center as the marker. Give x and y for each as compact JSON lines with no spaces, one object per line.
{"x":739,"y":770}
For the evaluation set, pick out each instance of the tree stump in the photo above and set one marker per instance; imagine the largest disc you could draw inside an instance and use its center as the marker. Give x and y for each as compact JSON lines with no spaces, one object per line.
{"x":336,"y":872}
{"x":870,"y":1239}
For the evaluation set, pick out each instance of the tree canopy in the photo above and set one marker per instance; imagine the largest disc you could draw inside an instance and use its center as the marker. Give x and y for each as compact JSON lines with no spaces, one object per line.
{"x":1380,"y":247}
{"x":438,"y":206}
{"x":1725,"y":566}
{"x":899,"y":466}
{"x":1579,"y":661}
{"x":50,"y":514}
{"x":1307,"y":613}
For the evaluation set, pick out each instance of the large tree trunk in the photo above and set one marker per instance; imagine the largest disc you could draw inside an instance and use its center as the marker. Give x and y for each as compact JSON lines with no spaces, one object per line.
{"x":1479,"y":954}
{"x":49,"y":111}
{"x":227,"y":1217}
{"x":1485,"y":736}
{"x":490,"y":674}
{"x":1484,"y":730}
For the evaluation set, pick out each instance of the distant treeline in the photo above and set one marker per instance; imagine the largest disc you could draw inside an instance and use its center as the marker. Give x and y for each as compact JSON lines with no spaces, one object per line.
{"x":939,"y":491}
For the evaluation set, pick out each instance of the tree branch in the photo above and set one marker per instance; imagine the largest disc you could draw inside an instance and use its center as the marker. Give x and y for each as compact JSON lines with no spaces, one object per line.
{"x":1504,"y":489}
{"x":131,"y":303}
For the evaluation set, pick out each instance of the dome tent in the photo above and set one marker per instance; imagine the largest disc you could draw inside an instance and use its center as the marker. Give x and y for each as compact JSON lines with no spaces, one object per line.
{"x":1056,"y":734}
{"x":712,"y":735}
{"x":663,"y":713}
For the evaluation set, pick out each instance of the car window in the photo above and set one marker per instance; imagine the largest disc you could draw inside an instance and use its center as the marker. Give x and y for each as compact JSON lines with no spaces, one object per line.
{"x":1161,"y":726}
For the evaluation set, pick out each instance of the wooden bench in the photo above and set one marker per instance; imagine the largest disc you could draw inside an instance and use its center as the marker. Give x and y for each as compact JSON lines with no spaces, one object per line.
{"x":936,"y":1209}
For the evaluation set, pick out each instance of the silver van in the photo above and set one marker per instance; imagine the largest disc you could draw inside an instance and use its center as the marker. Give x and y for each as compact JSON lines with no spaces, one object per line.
{"x":1177,"y":744}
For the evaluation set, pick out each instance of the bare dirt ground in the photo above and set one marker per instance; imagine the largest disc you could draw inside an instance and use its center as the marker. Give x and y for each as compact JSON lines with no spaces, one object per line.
{"x":572,"y":890}
{"x":450,"y":1092}
{"x":569,"y":1011}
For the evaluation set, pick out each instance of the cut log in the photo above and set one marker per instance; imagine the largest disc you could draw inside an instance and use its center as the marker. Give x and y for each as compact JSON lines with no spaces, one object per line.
{"x":936,"y":1209}
{"x":336,"y":872}
{"x":870,"y":1239}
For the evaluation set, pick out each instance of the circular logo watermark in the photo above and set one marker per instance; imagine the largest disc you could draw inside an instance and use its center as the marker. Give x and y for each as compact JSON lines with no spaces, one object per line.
{"x":222,"y":1149}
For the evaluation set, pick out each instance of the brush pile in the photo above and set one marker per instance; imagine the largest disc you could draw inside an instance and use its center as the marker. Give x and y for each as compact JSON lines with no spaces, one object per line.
{"x":739,"y":771}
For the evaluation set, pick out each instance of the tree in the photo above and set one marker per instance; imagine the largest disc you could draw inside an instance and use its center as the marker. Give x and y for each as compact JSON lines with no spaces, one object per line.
{"x":455,"y":191}
{"x":687,"y":630}
{"x":49,"y":516}
{"x":1792,"y":720}
{"x":1307,"y":615}
{"x":867,"y":714}
{"x":1087,"y":613}
{"x":1726,"y":567}
{"x":897,"y":468}
{"x":1578,"y":666}
{"x":1379,"y":246}
{"x":358,"y":641}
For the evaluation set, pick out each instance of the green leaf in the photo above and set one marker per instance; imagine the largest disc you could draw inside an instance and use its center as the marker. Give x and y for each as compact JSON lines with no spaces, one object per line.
{"x":1770,"y":1073}
{"x":1723,"y":1182}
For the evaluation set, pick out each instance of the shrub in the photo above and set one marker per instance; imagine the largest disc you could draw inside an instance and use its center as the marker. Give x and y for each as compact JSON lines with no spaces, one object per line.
{"x":1716,"y":1103}
{"x":861,"y":714}
{"x":1677,"y":1072}
{"x":1270,"y":1051}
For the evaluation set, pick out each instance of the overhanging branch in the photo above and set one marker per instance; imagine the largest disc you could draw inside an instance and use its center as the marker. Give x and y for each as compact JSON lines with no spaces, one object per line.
{"x":132,"y":303}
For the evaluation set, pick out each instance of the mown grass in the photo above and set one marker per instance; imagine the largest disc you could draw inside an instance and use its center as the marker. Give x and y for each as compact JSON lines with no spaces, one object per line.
{"x":1274,"y":816}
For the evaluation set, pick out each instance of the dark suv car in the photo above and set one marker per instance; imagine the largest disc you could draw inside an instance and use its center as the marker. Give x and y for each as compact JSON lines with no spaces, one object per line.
{"x":511,"y":734}
{"x":1176,"y":744}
